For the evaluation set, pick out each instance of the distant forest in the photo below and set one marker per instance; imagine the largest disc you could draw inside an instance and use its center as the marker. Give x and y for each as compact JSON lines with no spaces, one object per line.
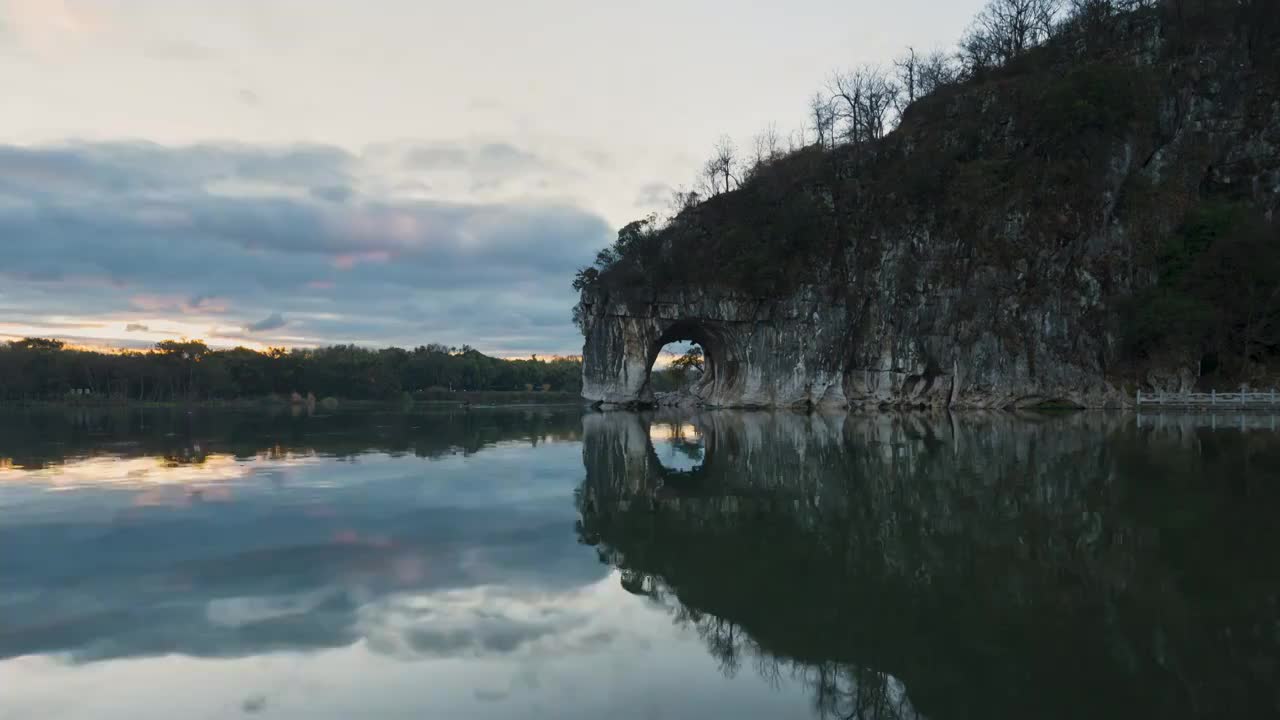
{"x":39,"y":369}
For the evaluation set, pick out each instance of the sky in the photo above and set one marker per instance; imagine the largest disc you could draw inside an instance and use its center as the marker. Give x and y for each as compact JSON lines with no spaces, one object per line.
{"x":401,"y":172}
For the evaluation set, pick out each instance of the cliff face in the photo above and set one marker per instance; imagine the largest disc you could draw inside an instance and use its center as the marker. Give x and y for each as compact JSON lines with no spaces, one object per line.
{"x":981,"y":255}
{"x":803,"y":349}
{"x":759,"y":352}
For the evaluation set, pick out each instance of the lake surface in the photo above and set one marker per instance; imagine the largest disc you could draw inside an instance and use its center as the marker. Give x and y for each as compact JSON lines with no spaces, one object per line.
{"x":559,"y":564}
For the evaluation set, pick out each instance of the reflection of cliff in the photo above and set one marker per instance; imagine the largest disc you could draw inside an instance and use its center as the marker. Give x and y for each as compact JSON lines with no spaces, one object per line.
{"x":978,"y":567}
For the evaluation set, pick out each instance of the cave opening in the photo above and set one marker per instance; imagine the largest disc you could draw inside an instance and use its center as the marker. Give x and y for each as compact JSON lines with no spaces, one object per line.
{"x":678,"y":366}
{"x":684,"y":364}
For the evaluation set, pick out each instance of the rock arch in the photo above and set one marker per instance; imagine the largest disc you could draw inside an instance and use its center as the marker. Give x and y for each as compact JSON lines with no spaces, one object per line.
{"x":758,"y":354}
{"x":719,"y":348}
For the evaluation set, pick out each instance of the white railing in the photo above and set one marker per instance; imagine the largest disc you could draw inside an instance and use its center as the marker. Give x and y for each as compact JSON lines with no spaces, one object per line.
{"x":1242,"y":399}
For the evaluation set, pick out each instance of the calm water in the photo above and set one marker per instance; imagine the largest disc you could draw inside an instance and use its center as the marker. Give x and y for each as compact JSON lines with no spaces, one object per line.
{"x":551,"y":564}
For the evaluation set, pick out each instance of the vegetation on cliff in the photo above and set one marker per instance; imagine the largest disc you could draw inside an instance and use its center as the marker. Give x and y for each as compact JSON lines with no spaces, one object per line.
{"x":1000,"y":168}
{"x":43,"y":369}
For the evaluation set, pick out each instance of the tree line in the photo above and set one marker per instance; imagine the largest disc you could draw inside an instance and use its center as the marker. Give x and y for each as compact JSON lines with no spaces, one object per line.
{"x":35,"y":369}
{"x":863,"y":104}
{"x":860,"y":106}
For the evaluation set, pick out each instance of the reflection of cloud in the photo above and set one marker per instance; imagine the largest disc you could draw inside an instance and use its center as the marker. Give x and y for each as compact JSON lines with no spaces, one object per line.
{"x":137,"y":472}
{"x":674,"y":431}
{"x":312,"y":563}
{"x":476,"y":622}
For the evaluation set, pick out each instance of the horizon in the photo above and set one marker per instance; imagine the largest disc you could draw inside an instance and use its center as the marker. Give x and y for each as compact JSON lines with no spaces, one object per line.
{"x":157,"y":348}
{"x":664,"y":359}
{"x":305,"y":174}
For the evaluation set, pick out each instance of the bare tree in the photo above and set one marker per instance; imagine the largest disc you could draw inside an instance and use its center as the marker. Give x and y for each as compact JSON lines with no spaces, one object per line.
{"x":1092,"y":11}
{"x":822,"y":115}
{"x":936,"y":70}
{"x":682,"y":200}
{"x":720,"y":172}
{"x":908,"y":71}
{"x":864,"y":99}
{"x":709,"y":180}
{"x":768,"y":145}
{"x":919,"y":75}
{"x":726,"y":159}
{"x":1006,"y":29}
{"x":1095,"y":15}
{"x":797,"y":139}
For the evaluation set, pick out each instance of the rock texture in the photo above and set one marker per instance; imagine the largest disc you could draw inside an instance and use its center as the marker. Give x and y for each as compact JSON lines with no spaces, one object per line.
{"x":982,"y":251}
{"x":804,"y":350}
{"x":783,"y":352}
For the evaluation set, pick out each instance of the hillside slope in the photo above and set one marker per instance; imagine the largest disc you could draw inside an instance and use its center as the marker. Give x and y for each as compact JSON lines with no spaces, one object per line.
{"x":1096,"y":216}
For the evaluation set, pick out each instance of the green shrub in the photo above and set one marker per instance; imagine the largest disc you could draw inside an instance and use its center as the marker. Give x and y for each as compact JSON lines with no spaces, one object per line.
{"x":1218,"y":291}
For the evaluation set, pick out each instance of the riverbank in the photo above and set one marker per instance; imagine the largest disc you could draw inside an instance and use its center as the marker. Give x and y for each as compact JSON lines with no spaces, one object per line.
{"x":426,"y":399}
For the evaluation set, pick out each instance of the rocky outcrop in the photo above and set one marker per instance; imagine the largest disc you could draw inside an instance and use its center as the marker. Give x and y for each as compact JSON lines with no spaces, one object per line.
{"x":787,"y":352}
{"x":806,"y":350}
{"x":980,"y":256}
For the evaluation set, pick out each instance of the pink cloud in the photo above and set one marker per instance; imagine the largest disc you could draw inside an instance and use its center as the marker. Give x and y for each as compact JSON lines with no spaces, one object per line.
{"x":45,"y":26}
{"x":350,"y":260}
{"x":384,"y":227}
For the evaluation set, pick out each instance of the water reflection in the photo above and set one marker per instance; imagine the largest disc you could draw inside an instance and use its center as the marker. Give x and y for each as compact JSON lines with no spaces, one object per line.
{"x":40,"y":439}
{"x":679,"y":445}
{"x":942,"y":566}
{"x":230,"y":535}
{"x":755,"y":565}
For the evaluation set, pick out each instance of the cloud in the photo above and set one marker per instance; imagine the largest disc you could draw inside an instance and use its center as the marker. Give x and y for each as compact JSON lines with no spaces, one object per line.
{"x":489,"y":155}
{"x":333,"y":194}
{"x":274,"y":321}
{"x":318,"y":233}
{"x":653,"y":195}
{"x":136,"y":327}
{"x":486,"y":170}
{"x":46,"y":26}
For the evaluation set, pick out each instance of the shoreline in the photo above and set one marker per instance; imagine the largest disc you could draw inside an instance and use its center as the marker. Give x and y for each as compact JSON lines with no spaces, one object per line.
{"x":471,"y":400}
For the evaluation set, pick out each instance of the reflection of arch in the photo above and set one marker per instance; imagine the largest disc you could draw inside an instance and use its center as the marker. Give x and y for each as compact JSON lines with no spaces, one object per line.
{"x":681,"y":442}
{"x":668,"y":480}
{"x":721,"y":364}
